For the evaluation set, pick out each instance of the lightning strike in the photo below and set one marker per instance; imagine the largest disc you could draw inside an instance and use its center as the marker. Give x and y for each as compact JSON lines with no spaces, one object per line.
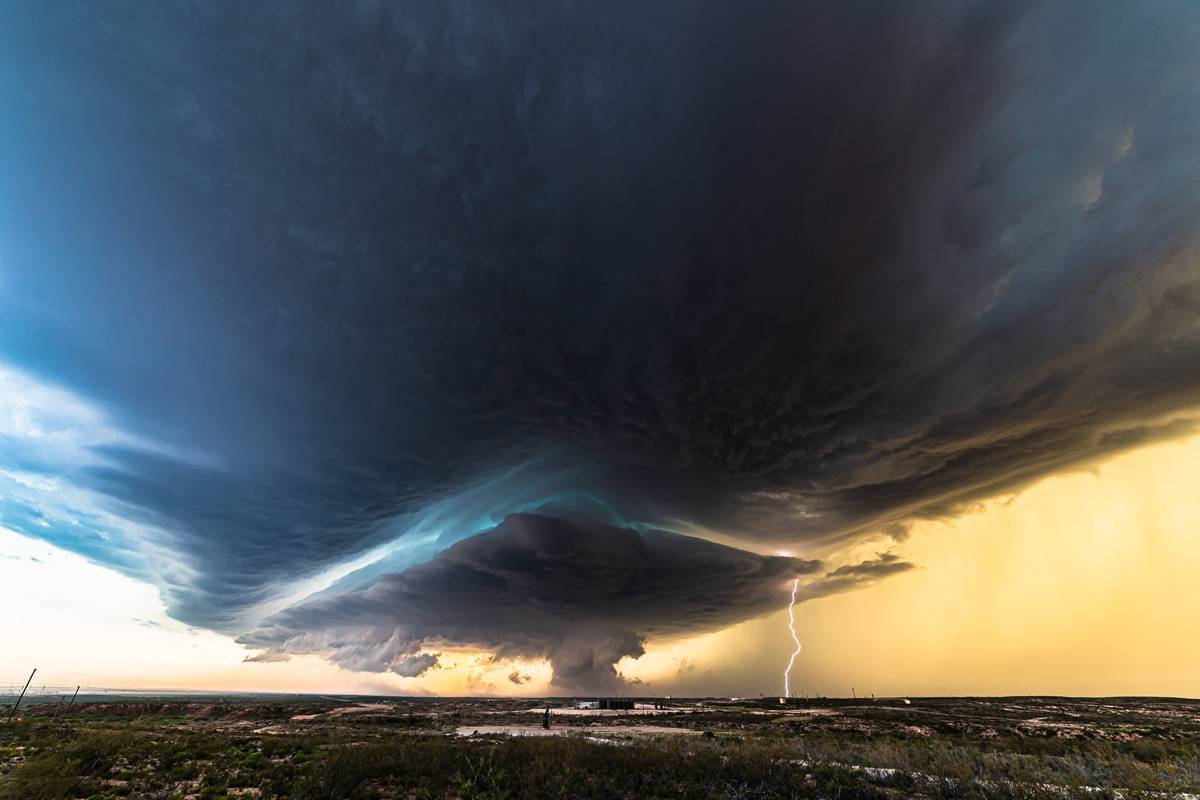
{"x":787,"y":692}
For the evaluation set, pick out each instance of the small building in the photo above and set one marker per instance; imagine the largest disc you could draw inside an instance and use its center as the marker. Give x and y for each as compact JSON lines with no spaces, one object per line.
{"x":614,"y":703}
{"x":610,"y":704}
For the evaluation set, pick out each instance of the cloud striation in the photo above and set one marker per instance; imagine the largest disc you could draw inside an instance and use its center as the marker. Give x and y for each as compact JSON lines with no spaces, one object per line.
{"x":387,"y":274}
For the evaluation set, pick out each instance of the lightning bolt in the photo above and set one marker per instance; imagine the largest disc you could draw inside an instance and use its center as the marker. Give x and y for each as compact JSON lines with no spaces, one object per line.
{"x":787,"y":692}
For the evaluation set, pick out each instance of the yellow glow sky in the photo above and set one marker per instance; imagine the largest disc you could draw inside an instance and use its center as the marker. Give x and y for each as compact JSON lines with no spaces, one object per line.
{"x":1085,"y":583}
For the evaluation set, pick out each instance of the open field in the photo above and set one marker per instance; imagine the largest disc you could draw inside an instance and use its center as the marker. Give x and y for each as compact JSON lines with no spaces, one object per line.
{"x":209,"y":746}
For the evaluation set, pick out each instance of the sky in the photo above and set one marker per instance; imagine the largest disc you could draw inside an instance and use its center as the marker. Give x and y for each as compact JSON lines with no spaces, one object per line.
{"x":442,"y":348}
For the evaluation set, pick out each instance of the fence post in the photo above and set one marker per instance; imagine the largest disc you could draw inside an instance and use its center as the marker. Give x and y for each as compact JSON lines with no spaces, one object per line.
{"x":16,"y":704}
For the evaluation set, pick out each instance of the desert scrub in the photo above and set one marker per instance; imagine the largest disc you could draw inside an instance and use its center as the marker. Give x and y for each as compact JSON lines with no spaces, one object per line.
{"x":67,"y":771}
{"x":569,"y":767}
{"x":1171,"y":764}
{"x":750,"y":756}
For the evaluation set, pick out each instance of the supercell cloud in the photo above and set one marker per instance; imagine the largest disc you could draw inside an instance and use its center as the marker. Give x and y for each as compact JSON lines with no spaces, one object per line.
{"x":323,"y":290}
{"x":581,"y":595}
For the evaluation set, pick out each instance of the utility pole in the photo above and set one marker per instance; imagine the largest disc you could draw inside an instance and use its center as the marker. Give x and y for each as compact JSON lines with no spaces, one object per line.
{"x":852,"y":694}
{"x":72,"y":700}
{"x":14,"y":708}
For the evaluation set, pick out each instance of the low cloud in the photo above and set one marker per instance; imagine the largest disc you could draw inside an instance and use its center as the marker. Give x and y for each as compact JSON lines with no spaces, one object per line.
{"x":414,"y":666}
{"x":856,"y":576}
{"x":883,"y":565}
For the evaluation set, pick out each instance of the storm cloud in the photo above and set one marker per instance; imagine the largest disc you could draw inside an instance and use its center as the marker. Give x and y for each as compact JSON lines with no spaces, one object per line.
{"x":365,"y":279}
{"x":583,"y":595}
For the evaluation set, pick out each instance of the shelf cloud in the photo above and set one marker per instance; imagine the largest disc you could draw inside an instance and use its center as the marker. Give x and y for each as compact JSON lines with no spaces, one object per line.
{"x":582,"y":595}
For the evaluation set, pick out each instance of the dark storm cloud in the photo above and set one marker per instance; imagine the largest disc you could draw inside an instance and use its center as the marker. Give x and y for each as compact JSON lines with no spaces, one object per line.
{"x":583,"y":595}
{"x":881,"y":566}
{"x":856,"y":576}
{"x":784,"y":272}
{"x":415,"y":665}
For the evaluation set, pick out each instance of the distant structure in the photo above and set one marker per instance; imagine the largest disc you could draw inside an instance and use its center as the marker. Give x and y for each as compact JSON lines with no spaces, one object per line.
{"x":792,"y":701}
{"x":613,"y":703}
{"x":623,"y":704}
{"x":608,"y":704}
